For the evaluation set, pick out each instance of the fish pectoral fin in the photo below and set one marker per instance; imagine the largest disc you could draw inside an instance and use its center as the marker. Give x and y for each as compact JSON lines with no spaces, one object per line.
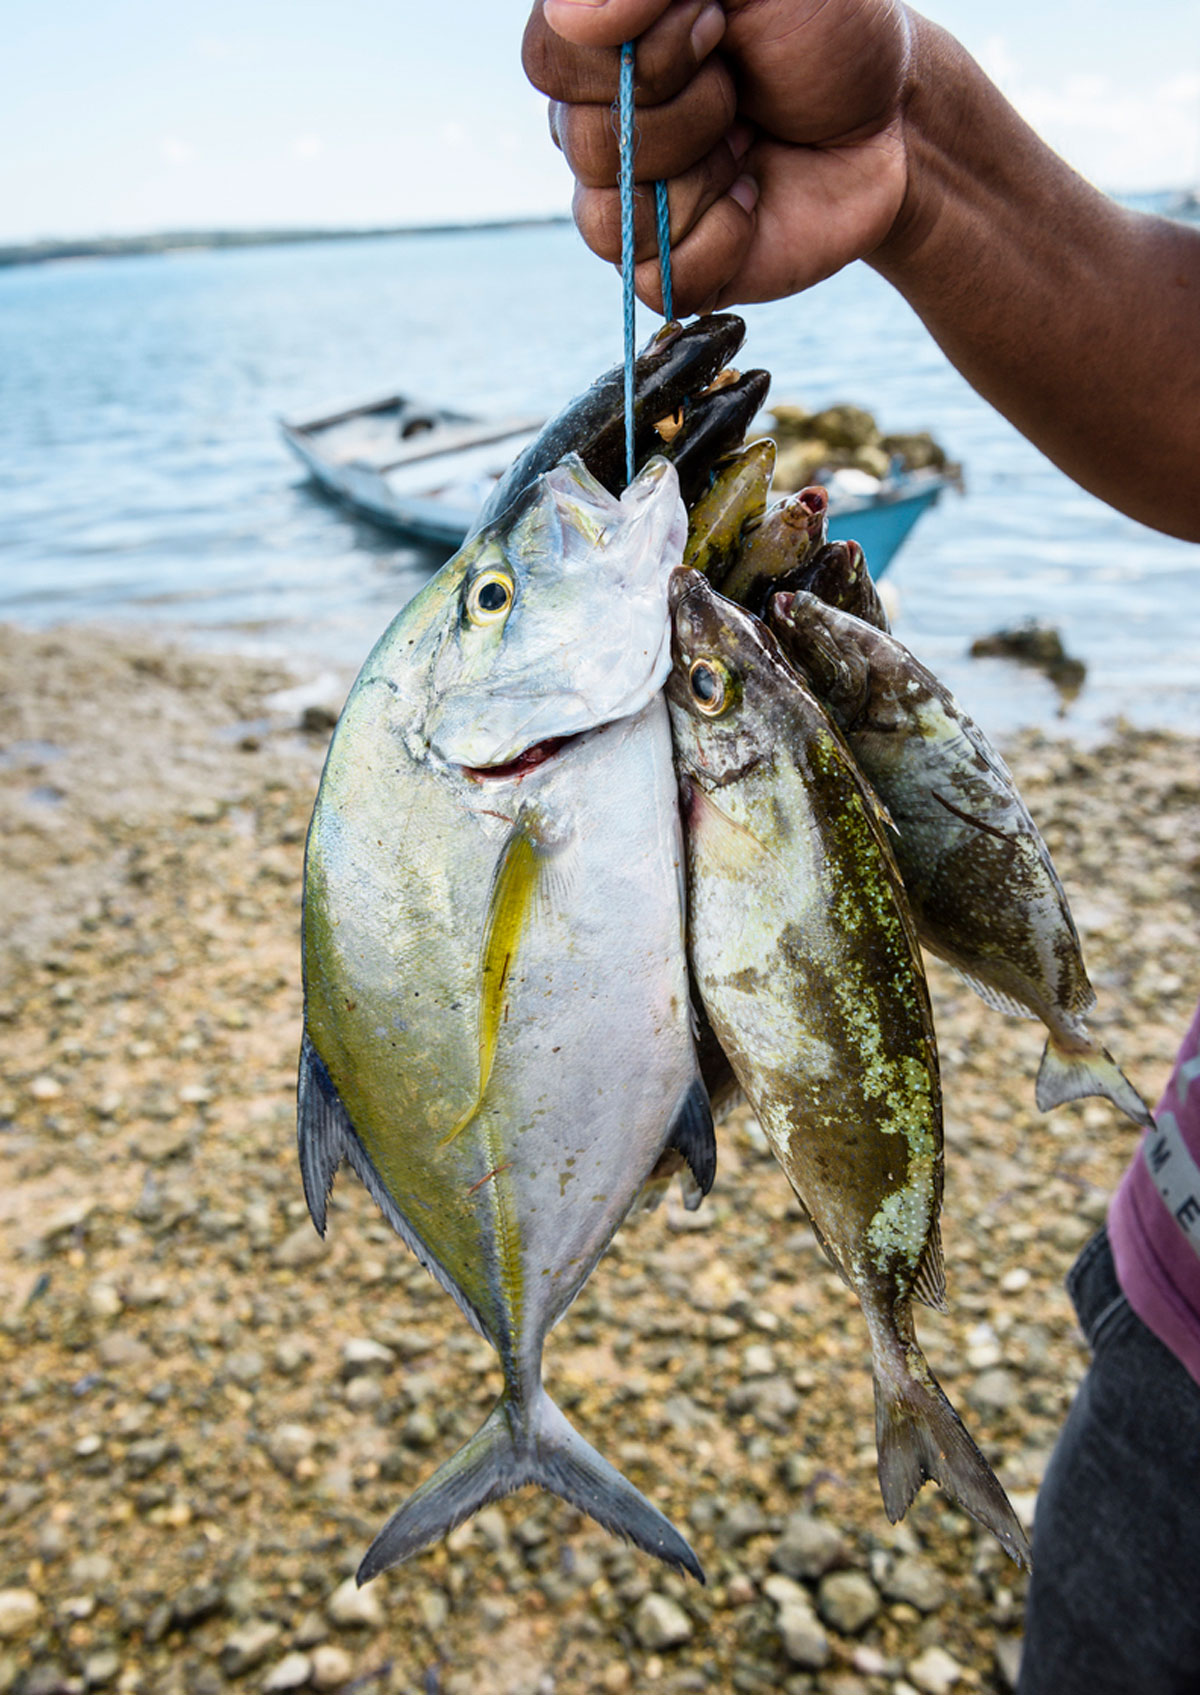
{"x":326,"y":1138}
{"x":729,"y":847}
{"x":691,"y":1134}
{"x":534,"y":877}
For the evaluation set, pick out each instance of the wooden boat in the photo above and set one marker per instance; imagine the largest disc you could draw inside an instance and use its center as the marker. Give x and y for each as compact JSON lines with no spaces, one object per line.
{"x":425,"y":471}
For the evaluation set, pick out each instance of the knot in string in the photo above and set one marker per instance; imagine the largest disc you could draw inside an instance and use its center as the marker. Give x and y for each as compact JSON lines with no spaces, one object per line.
{"x":662,"y":214}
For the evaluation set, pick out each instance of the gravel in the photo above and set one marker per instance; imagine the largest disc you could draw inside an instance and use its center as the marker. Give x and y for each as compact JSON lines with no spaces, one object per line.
{"x":209,"y":1412}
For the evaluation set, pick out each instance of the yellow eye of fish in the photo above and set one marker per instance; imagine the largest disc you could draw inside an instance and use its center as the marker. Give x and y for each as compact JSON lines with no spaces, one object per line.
{"x":489,"y":597}
{"x":710,"y":686}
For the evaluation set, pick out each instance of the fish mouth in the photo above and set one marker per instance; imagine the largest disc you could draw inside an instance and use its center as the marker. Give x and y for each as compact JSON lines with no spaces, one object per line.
{"x":525,"y":762}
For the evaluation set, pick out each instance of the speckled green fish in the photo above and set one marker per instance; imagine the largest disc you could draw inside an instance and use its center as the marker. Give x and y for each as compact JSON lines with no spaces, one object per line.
{"x":979,"y":878}
{"x":810,"y":973}
{"x":493,"y":911}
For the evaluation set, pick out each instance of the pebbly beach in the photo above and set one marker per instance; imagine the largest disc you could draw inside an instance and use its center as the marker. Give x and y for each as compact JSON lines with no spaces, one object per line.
{"x":208,"y":1410}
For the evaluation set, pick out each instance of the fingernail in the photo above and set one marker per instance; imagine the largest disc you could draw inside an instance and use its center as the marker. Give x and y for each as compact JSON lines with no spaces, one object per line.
{"x":707,"y":30}
{"x":738,"y":140}
{"x":745,"y":192}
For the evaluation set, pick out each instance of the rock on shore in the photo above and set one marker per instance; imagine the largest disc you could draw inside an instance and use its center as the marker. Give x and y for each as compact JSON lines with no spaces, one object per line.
{"x":208,"y":1412}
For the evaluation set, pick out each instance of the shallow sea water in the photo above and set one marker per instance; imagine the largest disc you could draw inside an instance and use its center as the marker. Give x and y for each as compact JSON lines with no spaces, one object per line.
{"x":142,"y":476}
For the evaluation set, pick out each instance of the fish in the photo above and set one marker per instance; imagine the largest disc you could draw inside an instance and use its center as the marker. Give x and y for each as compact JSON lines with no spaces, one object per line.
{"x":790,"y":533}
{"x":837,"y":573}
{"x":675,"y":366}
{"x":492,"y":911}
{"x":810,"y":974}
{"x":979,"y":877}
{"x":712,"y":425}
{"x":735,"y":499}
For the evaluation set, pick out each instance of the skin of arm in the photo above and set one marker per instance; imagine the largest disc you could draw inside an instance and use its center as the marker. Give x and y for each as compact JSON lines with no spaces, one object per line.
{"x":798,"y":136}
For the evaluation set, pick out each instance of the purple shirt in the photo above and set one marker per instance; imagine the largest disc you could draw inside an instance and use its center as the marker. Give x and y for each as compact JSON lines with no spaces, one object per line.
{"x":1154,"y":1217}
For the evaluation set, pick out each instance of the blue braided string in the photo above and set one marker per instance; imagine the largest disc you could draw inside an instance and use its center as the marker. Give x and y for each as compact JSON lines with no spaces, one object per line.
{"x":625,"y":107}
{"x":662,"y":213}
{"x":663,"y":221}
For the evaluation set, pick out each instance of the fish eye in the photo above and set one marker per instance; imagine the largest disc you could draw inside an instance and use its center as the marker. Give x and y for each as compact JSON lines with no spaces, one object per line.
{"x":709,"y":682}
{"x":489,"y":597}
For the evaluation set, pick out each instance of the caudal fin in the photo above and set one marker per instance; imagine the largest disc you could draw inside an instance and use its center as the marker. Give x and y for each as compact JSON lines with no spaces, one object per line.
{"x":1068,"y":1074}
{"x":919,"y":1436}
{"x":504,"y":1456}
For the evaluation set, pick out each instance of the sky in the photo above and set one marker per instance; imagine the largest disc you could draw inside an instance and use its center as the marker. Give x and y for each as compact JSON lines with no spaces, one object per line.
{"x":122,"y":117}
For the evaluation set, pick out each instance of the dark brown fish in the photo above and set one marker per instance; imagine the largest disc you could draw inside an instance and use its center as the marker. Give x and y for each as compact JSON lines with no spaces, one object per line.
{"x":979,"y":878}
{"x":810,"y":973}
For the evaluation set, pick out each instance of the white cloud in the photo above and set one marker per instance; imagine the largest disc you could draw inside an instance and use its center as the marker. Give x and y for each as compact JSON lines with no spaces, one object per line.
{"x":177,"y":152}
{"x":1124,"y":135}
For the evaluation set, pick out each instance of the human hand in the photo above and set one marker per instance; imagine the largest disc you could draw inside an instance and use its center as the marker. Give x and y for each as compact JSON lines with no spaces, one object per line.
{"x":778,"y":125}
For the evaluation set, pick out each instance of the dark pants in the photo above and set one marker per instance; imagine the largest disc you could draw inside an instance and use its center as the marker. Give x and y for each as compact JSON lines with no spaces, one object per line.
{"x":1114,"y":1601}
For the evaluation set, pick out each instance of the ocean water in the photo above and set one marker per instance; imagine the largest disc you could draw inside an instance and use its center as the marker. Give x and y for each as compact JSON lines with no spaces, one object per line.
{"x":142,"y":477}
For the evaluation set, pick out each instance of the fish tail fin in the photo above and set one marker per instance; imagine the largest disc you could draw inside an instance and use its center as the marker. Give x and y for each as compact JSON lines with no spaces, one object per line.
{"x":571,"y":1467}
{"x":1069,"y":1072}
{"x":504,"y":1455}
{"x":919,"y":1436}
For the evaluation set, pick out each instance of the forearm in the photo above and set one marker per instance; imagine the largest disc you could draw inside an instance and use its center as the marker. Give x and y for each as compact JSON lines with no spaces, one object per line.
{"x":1077,"y":319}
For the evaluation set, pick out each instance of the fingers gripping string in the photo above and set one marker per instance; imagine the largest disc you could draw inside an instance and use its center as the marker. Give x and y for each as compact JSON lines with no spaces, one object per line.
{"x":663,"y":228}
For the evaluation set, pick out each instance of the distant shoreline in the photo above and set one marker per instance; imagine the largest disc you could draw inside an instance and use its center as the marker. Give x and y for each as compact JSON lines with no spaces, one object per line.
{"x":174,"y":241}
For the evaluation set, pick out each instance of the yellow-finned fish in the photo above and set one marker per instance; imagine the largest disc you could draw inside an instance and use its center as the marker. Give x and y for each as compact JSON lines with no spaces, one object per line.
{"x":493,"y":910}
{"x":811,"y":976}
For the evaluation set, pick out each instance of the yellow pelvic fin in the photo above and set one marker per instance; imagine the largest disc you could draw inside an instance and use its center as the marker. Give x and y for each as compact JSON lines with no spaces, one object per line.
{"x":534,"y":868}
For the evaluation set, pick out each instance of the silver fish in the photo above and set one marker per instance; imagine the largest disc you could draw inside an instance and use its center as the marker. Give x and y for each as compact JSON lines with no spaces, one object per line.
{"x":493,"y":910}
{"x":979,"y":878}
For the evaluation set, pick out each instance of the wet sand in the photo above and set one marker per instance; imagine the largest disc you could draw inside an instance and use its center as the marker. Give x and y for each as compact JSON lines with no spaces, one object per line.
{"x":208,"y":1412}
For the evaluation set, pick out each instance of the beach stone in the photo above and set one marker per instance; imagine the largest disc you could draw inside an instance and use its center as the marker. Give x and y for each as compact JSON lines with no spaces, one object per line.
{"x":661,"y":1623}
{"x":292,"y":1672}
{"x":350,"y":1607}
{"x":248,"y":1646}
{"x":917,"y":1581}
{"x":331,"y":1666}
{"x":361,"y":1355}
{"x":19,"y":1612}
{"x":847,"y":1600}
{"x":103,"y":1301}
{"x":993,"y":1391}
{"x":1008,"y":1660}
{"x":934,"y":1672}
{"x":119,"y":1349}
{"x":288,"y":1444}
{"x":196,"y":1602}
{"x":300,"y":1247}
{"x":743,"y":1520}
{"x":292,"y":1354}
{"x":47,"y":1677}
{"x":809,"y":1547}
{"x":101,"y":1668}
{"x":147,"y":1454}
{"x":363,"y":1392}
{"x":803,"y":1636}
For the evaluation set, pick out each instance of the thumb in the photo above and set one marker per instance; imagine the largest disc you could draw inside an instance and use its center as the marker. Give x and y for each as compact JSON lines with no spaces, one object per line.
{"x":602,"y":23}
